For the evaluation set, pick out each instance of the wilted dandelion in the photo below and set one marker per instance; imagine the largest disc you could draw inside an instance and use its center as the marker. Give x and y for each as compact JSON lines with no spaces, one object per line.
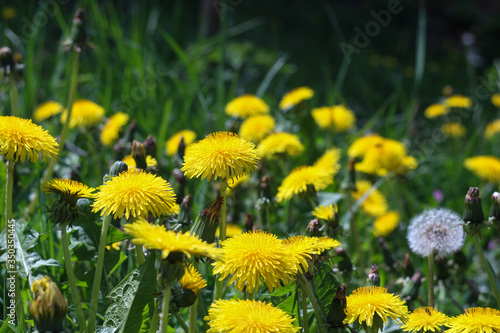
{"x":112,"y":128}
{"x":458,"y":101}
{"x":386,"y":224}
{"x":225,"y":316}
{"x":295,"y":96}
{"x":439,"y":230}
{"x":278,"y":144}
{"x":245,"y":106}
{"x":302,"y":180}
{"x":256,"y":128}
{"x":47,"y":110}
{"x":486,"y":167}
{"x":173,"y":143}
{"x":475,"y":320}
{"x":426,"y":319}
{"x":84,"y":113}
{"x":454,"y":130}
{"x":375,"y":203}
{"x":435,"y":110}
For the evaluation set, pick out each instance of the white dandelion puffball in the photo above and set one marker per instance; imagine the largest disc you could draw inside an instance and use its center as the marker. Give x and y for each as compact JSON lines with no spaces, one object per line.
{"x":437,"y":229}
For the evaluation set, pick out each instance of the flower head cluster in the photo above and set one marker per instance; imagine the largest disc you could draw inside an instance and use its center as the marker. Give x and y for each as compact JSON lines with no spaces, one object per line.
{"x":256,"y":128}
{"x":84,"y":113}
{"x":439,"y":230}
{"x":374,"y":203}
{"x":281,"y":143}
{"x":47,"y":110}
{"x":225,"y":316}
{"x":302,"y":180}
{"x":475,"y":320}
{"x":338,"y":118}
{"x":492,"y":128}
{"x":192,"y":280}
{"x":329,"y":161}
{"x":486,"y":167}
{"x":112,"y":128}
{"x":173,"y":143}
{"x":295,"y":96}
{"x":156,"y":237}
{"x":454,"y":130}
{"x":134,"y":194}
{"x":20,"y":139}
{"x":220,"y":155}
{"x":426,"y":319}
{"x":245,"y":106}
{"x":386,"y":224}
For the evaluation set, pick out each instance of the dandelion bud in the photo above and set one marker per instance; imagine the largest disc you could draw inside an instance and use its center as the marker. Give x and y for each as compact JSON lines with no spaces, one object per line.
{"x":79,"y":41}
{"x":150,"y":145}
{"x":185,"y":211}
{"x":207,"y":221}
{"x":373,"y":279}
{"x":336,"y":315}
{"x":265,"y":188}
{"x":48,"y":307}
{"x":495,"y":207}
{"x":117,"y":168}
{"x":6,"y":58}
{"x":313,"y":228}
{"x":139,"y":155}
{"x":410,"y":289}
{"x":181,"y":149}
{"x":473,"y":212}
{"x":183,"y":298}
{"x":249,"y":223}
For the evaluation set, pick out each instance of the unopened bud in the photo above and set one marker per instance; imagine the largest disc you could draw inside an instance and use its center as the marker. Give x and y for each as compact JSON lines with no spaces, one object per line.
{"x":48,"y":307}
{"x":185,"y":210}
{"x":248,"y":222}
{"x":313,"y":228}
{"x":473,"y":212}
{"x":181,"y":149}
{"x":117,"y":168}
{"x":410,"y":290}
{"x":150,"y":145}
{"x":207,"y":221}
{"x":373,"y":279}
{"x":495,"y":207}
{"x":139,"y":155}
{"x":336,"y":315}
{"x":183,"y":297}
{"x":6,"y":58}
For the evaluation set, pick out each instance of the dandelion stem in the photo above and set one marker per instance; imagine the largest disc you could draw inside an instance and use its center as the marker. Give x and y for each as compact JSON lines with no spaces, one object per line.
{"x":487,"y":267}
{"x":222,"y":234}
{"x":306,"y":287}
{"x":8,"y":194}
{"x":181,"y":322}
{"x":80,"y":317}
{"x":304,"y":311}
{"x":153,"y":328}
{"x":164,"y":312}
{"x":98,"y":272}
{"x":430,"y":278}
{"x":193,"y":310}
{"x":14,"y":106}
{"x":355,"y":233}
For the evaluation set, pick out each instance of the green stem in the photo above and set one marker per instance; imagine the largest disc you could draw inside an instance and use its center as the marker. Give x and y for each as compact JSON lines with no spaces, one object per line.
{"x":80,"y":317}
{"x":94,"y":300}
{"x":140,"y":255}
{"x":181,"y":322}
{"x":487,"y":267}
{"x":153,"y":328}
{"x":306,"y":287}
{"x":14,"y":106}
{"x":357,"y":241}
{"x":164,"y":312}
{"x":193,"y":310}
{"x":8,"y":193}
{"x":95,"y":155}
{"x":431,"y":278}
{"x":304,"y":311}
{"x":222,"y":234}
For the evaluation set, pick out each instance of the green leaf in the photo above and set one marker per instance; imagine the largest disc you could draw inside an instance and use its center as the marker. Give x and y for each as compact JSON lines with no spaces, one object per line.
{"x":130,"y":298}
{"x":285,"y":298}
{"x":329,"y":198}
{"x":114,"y":260}
{"x":325,"y":285}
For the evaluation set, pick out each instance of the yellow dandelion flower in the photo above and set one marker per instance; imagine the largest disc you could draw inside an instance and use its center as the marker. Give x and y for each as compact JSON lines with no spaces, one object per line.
{"x":245,"y":106}
{"x":234,"y":182}
{"x":295,"y":96}
{"x":454,"y":130}
{"x":134,"y":194}
{"x":361,"y":145}
{"x":374,"y":204}
{"x":475,"y":320}
{"x":495,"y":100}
{"x":156,"y":237}
{"x":302,"y":248}
{"x":323,"y":116}
{"x":47,"y":110}
{"x":113,"y":127}
{"x":20,"y":139}
{"x":173,"y":143}
{"x":192,"y":280}
{"x":425,"y":319}
{"x":492,"y":128}
{"x":277,"y":144}
{"x":254,"y":255}
{"x":176,"y":209}
{"x":485,"y":167}
{"x":69,"y":190}
{"x":85,"y":113}
{"x":326,"y":213}
{"x":220,"y":155}
{"x":373,"y":306}
{"x":458,"y":101}
{"x":231,"y":316}
{"x":231,"y":230}
{"x":329,"y":161}
{"x":337,"y":117}
{"x":301,"y":180}
{"x":129,"y":160}
{"x":386,"y":224}
{"x":435,"y":110}
{"x":256,"y":128}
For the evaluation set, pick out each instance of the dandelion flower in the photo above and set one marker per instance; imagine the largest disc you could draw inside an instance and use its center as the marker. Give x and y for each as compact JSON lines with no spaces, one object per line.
{"x":173,"y":143}
{"x":329,"y":161}
{"x":326,"y":213}
{"x":486,"y":167}
{"x":302,"y":180}
{"x":192,"y":280}
{"x":69,"y":190}
{"x":220,"y":155}
{"x":156,"y":237}
{"x":302,"y":248}
{"x":245,"y":106}
{"x":337,"y":117}
{"x":492,"y":128}
{"x":454,"y":130}
{"x":435,"y":110}
{"x":85,"y":113}
{"x":254,"y":255}
{"x":495,"y":100}
{"x":374,"y":204}
{"x":234,"y":182}
{"x":231,"y":230}
{"x":282,"y":143}
{"x":458,"y":101}
{"x":113,"y":127}
{"x":372,"y":306}
{"x":426,"y":319}
{"x":130,"y":161}
{"x":475,"y":320}
{"x":134,"y":194}
{"x":361,"y":145}
{"x":386,"y":224}
{"x":228,"y":316}
{"x":47,"y":110}
{"x":439,"y":230}
{"x":295,"y":96}
{"x":256,"y":128}
{"x":20,"y":139}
